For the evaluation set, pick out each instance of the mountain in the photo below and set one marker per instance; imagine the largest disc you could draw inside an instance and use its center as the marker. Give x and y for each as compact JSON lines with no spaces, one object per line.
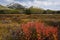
{"x":15,"y":6}
{"x":6,"y":10}
{"x":4,"y":7}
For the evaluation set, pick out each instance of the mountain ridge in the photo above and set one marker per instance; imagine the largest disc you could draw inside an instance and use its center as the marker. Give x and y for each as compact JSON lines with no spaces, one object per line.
{"x":18,"y":9}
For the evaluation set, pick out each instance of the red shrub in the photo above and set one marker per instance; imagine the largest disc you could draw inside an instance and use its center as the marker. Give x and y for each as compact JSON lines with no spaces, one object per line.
{"x":41,"y":30}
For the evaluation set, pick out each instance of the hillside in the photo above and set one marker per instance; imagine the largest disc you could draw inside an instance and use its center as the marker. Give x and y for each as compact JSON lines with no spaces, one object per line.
{"x":6,"y":10}
{"x":16,"y":8}
{"x":3,"y":7}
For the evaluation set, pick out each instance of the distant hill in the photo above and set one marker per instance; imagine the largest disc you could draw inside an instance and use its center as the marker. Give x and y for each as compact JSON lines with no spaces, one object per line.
{"x":4,"y":7}
{"x":15,"y":6}
{"x":6,"y":10}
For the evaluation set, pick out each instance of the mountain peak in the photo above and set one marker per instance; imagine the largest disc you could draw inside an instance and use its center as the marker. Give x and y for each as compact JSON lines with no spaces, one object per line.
{"x":16,"y":6}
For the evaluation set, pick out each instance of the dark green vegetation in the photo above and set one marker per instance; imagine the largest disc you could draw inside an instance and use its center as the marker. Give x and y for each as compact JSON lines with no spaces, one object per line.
{"x":16,"y":8}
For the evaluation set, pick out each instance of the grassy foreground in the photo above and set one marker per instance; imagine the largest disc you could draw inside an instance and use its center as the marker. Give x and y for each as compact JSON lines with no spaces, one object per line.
{"x":11,"y":29}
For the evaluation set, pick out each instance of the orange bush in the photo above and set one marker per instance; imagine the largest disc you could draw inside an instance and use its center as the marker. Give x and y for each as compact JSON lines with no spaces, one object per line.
{"x":42,"y":32}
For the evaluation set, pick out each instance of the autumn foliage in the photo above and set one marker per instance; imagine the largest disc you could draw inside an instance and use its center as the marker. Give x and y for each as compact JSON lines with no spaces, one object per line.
{"x":39,"y":31}
{"x":29,"y":31}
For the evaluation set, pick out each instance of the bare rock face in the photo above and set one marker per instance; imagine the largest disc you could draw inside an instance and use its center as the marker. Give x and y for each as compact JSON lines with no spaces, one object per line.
{"x":16,"y":6}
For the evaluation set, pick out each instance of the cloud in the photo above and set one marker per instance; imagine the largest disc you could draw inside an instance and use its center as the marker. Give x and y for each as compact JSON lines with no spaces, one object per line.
{"x":9,"y":0}
{"x":39,"y":3}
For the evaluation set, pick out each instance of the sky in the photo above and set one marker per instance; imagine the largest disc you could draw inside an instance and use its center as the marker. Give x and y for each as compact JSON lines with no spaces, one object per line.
{"x":45,"y":4}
